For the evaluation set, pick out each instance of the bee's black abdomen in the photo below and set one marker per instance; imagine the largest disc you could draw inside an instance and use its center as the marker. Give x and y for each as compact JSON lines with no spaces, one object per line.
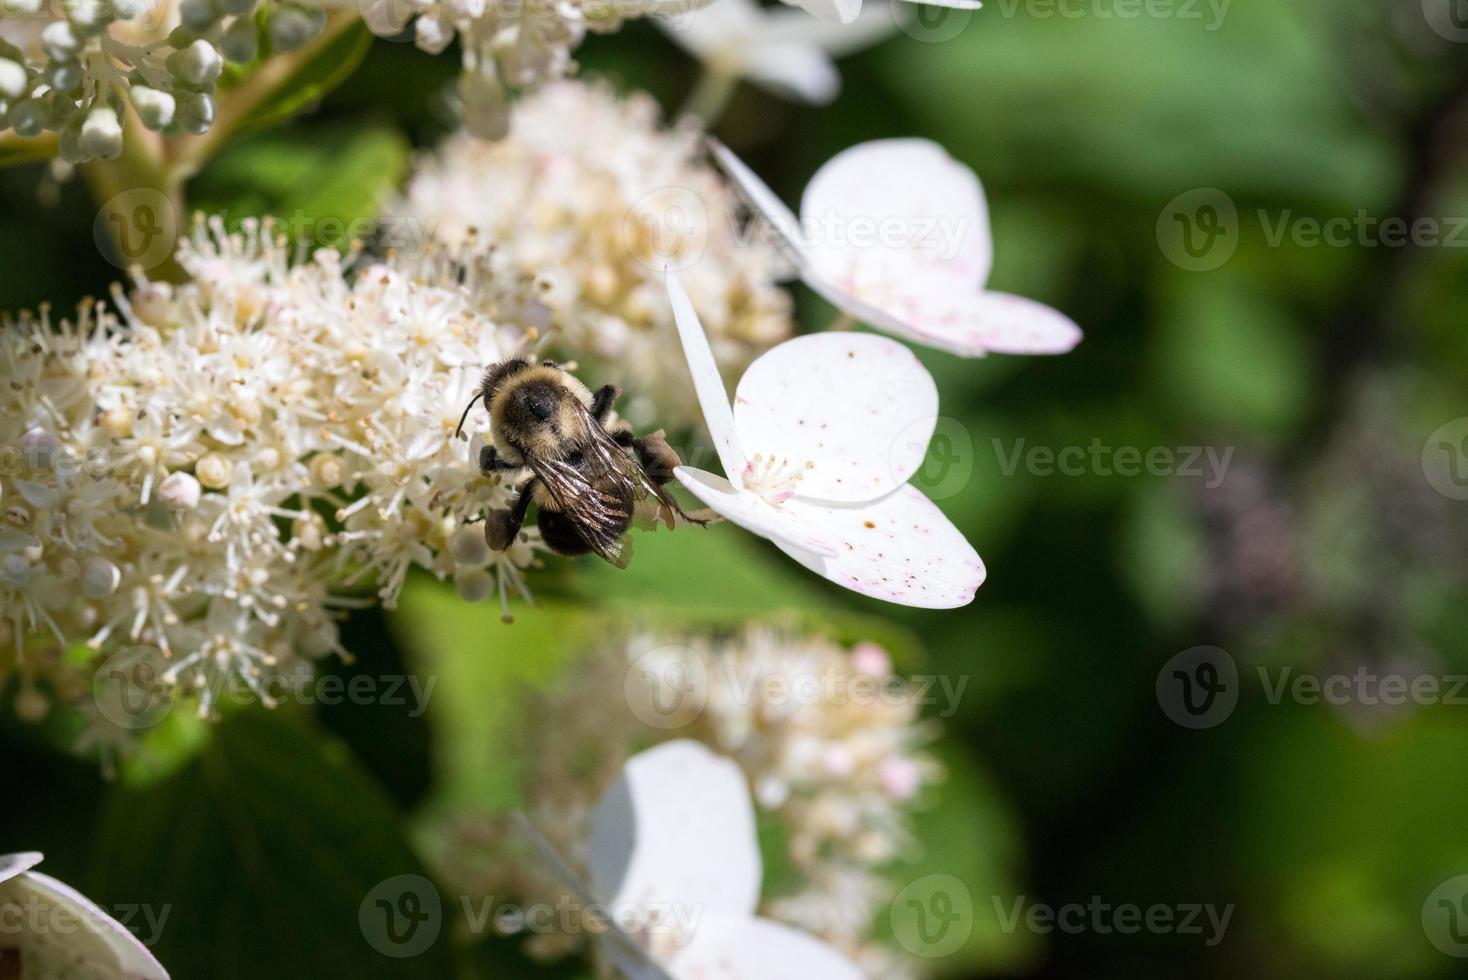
{"x":560,"y":535}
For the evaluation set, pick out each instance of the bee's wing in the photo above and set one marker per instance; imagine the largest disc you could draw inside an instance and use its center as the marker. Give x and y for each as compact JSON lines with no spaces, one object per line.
{"x":600,"y":517}
{"x":609,"y":454}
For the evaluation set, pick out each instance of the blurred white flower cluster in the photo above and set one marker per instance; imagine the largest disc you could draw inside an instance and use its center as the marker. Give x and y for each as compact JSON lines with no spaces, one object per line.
{"x":72,"y":67}
{"x":202,"y":470}
{"x":830,"y":740}
{"x":506,"y":45}
{"x":592,"y":197}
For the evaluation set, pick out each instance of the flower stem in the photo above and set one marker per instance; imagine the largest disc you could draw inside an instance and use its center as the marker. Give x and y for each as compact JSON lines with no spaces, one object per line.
{"x":710,"y":97}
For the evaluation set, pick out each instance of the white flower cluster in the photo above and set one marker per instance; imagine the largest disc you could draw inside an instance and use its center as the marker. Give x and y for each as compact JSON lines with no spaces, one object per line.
{"x":830,"y":740}
{"x":198,"y":472}
{"x":71,"y":67}
{"x":506,"y":45}
{"x":590,"y":195}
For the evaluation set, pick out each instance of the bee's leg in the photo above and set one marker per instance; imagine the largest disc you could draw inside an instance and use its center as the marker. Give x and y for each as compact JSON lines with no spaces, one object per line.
{"x":502,"y":526}
{"x":489,"y":461}
{"x":659,"y":460}
{"x":602,"y":402}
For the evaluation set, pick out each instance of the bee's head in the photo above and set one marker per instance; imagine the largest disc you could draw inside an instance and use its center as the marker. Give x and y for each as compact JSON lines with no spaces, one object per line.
{"x":536,"y":410}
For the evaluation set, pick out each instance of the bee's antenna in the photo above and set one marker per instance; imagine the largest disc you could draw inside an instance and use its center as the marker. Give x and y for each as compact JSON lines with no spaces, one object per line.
{"x":459,"y":432}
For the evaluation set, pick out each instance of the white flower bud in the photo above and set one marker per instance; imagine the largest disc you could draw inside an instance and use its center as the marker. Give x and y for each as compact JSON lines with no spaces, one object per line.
{"x":242,"y":41}
{"x":180,"y":491}
{"x":14,"y":82}
{"x":102,"y":134}
{"x":64,"y":76}
{"x":468,"y":546}
{"x":198,"y":15}
{"x":128,"y":9}
{"x":60,"y":41}
{"x":292,"y":26}
{"x":15,"y":571}
{"x":154,"y":108}
{"x":31,"y":705}
{"x":39,"y":448}
{"x":100,"y":578}
{"x":197,"y":64}
{"x":474,"y":584}
{"x":433,"y":34}
{"x":327,"y":471}
{"x":88,"y":16}
{"x":28,"y":117}
{"x":194,"y":111}
{"x":213,"y":471}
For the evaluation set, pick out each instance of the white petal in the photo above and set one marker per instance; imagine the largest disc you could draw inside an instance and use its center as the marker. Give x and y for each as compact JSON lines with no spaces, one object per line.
{"x":801,"y":72}
{"x":900,"y":549}
{"x":757,"y":949}
{"x":1001,"y":323}
{"x":954,"y":4}
{"x":676,"y":831}
{"x":13,"y":864}
{"x":859,"y":408}
{"x":782,"y":525}
{"x":876,"y":23}
{"x":82,"y":935}
{"x":845,"y":11}
{"x":760,"y":198}
{"x":707,"y":383}
{"x":884,"y":213}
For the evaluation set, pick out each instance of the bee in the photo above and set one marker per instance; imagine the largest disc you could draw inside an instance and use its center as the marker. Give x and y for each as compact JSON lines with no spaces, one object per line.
{"x":586,"y":473}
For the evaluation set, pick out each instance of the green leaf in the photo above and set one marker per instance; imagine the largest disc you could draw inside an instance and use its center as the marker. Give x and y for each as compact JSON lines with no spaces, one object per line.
{"x":324,"y":185}
{"x":326,"y":66}
{"x":262,"y":851}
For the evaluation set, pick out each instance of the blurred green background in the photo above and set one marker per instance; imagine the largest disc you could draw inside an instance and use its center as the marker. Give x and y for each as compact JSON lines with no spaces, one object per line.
{"x":1332,"y":542}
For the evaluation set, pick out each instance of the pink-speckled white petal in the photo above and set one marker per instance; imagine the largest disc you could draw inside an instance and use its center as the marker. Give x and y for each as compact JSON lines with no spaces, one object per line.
{"x":676,"y":833}
{"x":93,"y":944}
{"x":13,"y":864}
{"x":896,"y":215}
{"x":899,"y":549}
{"x":844,"y":11}
{"x":1007,"y":324}
{"x":850,"y":413}
{"x":781,"y":525}
{"x":713,"y":398}
{"x":725,"y":948}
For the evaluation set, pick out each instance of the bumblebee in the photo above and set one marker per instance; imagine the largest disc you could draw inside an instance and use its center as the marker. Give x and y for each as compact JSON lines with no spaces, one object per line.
{"x":587,"y":472}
